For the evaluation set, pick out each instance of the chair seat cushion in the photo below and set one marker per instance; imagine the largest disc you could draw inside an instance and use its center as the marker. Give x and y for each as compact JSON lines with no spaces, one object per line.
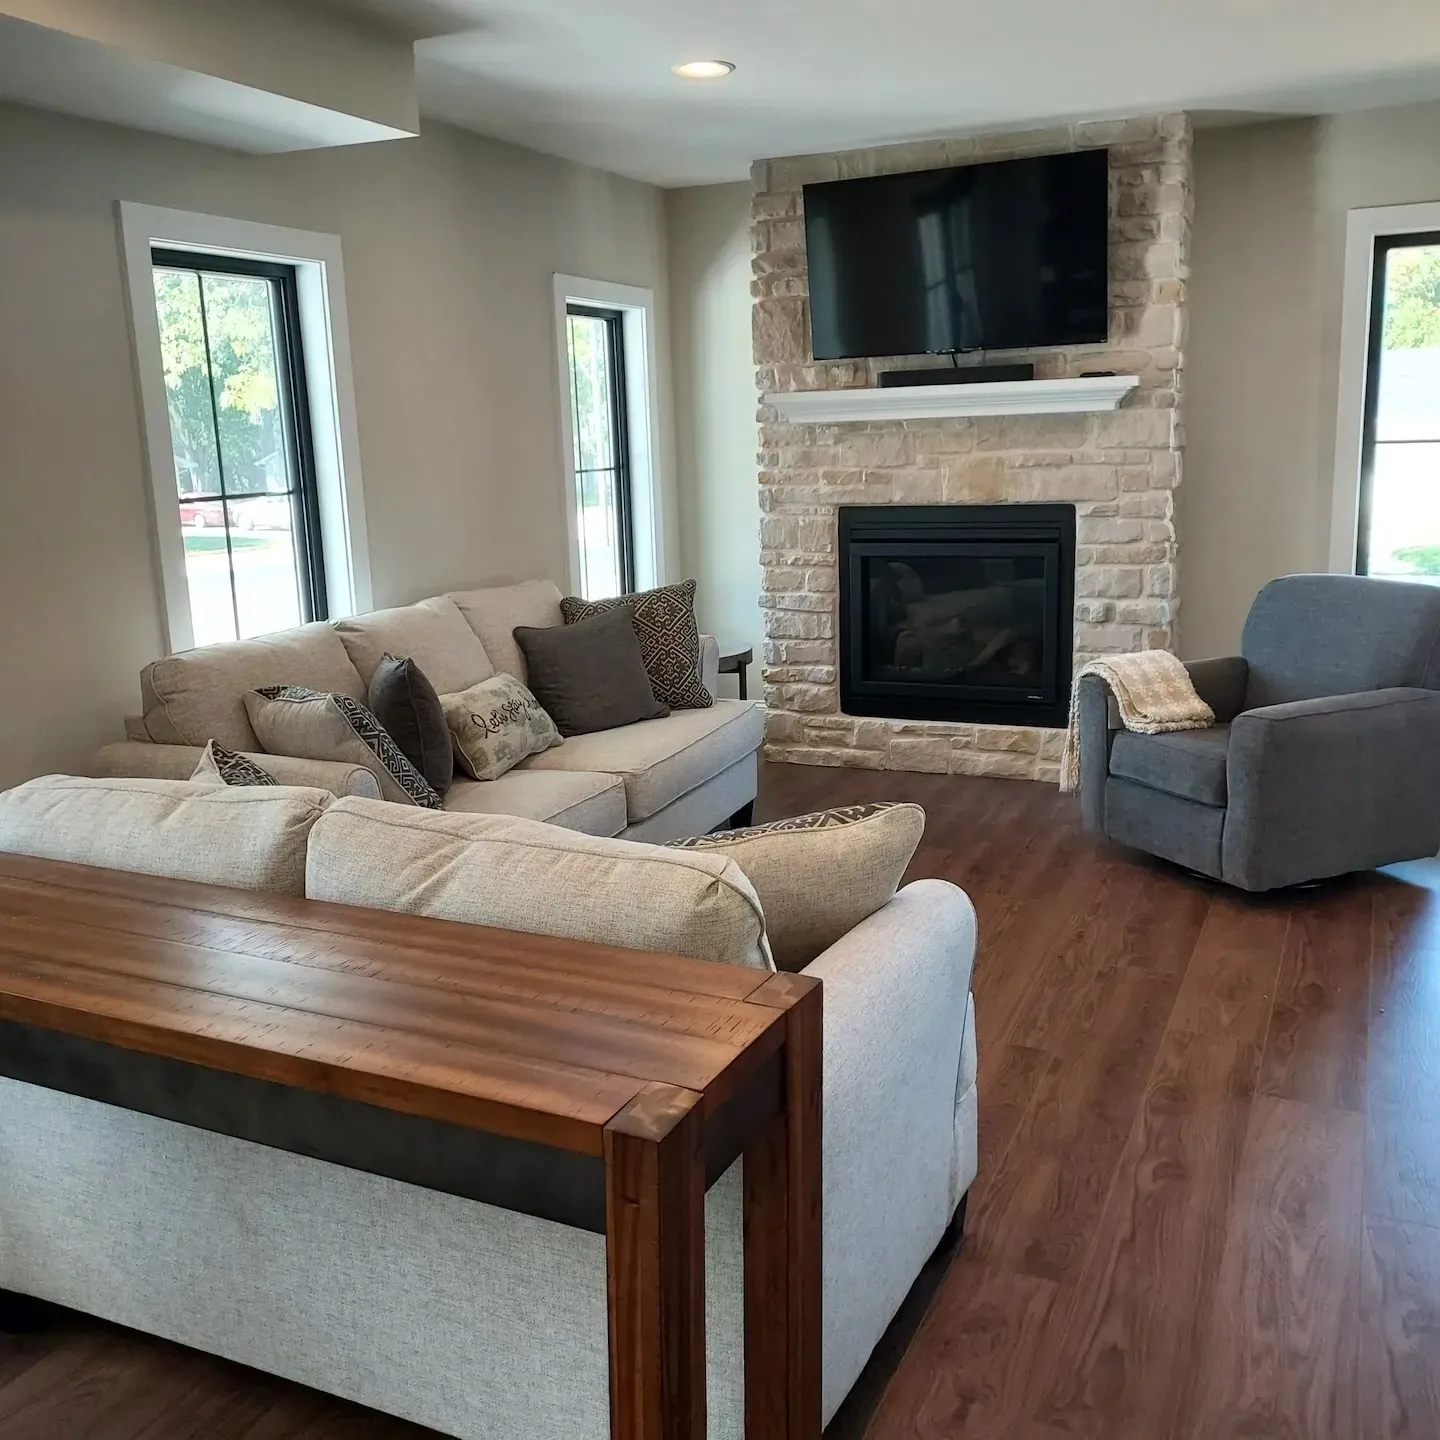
{"x":591,"y":804}
{"x":661,"y":760}
{"x":1188,"y":763}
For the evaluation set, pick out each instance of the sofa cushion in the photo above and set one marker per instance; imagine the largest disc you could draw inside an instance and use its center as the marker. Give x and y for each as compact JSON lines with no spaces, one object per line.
{"x":661,"y":760}
{"x":434,"y":634}
{"x":198,"y":695}
{"x":818,"y":876}
{"x":248,"y":837}
{"x":294,"y":720}
{"x":591,"y":675}
{"x":593,"y":804}
{"x":522,"y":875}
{"x":493,"y":615}
{"x":409,"y":711}
{"x":494,"y":725}
{"x":1188,"y":763}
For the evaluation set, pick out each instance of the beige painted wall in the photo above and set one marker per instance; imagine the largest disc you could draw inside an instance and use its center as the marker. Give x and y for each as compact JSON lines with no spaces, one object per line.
{"x":709,"y":237}
{"x":1264,"y":354}
{"x":450,"y":243}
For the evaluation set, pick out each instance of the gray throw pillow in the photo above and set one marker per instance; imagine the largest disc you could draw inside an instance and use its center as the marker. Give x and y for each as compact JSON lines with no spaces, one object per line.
{"x":665,"y":626}
{"x":590,"y":675}
{"x":409,"y":711}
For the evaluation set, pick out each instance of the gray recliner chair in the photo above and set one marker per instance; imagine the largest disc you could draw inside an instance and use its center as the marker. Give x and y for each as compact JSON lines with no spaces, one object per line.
{"x":1325,"y":757}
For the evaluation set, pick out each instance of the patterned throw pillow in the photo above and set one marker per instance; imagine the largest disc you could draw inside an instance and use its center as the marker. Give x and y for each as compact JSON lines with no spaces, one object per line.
{"x":818,"y":876}
{"x":495,"y":725}
{"x":295,"y":720}
{"x":664,"y":622}
{"x":219,"y":766}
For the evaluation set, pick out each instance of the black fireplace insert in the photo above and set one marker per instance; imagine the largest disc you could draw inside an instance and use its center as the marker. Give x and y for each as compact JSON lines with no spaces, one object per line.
{"x":957,"y":612}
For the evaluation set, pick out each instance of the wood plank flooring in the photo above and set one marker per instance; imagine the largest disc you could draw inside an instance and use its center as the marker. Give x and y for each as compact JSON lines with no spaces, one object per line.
{"x":1209,"y":1193}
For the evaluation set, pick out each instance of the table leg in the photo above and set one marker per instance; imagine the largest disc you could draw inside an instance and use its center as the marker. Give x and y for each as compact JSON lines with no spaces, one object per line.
{"x":655,"y":1252}
{"x":783,"y":1234}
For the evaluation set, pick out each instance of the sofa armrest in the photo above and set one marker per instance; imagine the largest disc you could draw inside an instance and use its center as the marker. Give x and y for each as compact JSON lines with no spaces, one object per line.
{"x":710,"y":663}
{"x":1323,"y":787}
{"x":178,"y":762}
{"x":1220,"y":684}
{"x":1096,"y":720}
{"x":895,"y":995}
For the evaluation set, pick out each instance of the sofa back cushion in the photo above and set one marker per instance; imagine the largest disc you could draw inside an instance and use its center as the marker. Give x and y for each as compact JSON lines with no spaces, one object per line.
{"x":524,"y":875}
{"x":1309,"y":636}
{"x":493,"y":615}
{"x":198,"y":695}
{"x":434,"y":634}
{"x":251,"y":838}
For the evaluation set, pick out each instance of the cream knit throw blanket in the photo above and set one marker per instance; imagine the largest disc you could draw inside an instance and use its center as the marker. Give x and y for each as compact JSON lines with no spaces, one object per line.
{"x":1153,"y":692}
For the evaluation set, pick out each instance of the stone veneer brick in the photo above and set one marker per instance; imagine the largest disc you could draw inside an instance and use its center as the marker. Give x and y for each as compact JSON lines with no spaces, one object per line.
{"x":1120,"y":470}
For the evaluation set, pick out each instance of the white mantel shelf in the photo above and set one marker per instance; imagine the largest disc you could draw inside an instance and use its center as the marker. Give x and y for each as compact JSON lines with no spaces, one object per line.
{"x":930,"y":402}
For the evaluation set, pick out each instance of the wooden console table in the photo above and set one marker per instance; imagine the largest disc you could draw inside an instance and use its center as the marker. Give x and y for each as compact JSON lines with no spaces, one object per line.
{"x":599,"y":1087}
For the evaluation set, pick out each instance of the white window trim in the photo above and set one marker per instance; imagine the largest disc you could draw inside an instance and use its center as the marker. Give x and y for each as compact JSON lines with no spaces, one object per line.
{"x":1363,"y":229}
{"x":642,"y":407}
{"x":325,"y":338}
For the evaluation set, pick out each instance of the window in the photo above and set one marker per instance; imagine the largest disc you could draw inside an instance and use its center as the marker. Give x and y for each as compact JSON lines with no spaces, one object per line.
{"x":615,"y":497}
{"x":600,"y":440}
{"x":242,"y":361}
{"x":240,"y":440}
{"x":1398,"y":531}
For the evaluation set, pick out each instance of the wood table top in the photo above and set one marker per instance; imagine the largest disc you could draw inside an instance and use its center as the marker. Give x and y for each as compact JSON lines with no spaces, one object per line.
{"x":521,"y":1035}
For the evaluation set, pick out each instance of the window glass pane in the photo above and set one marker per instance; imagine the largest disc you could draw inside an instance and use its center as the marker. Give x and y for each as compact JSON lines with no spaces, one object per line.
{"x":187,"y":382}
{"x":590,"y":383}
{"x":207,"y":570}
{"x":1405,"y":512}
{"x":262,"y":559}
{"x":1409,"y":380}
{"x":247,"y":386}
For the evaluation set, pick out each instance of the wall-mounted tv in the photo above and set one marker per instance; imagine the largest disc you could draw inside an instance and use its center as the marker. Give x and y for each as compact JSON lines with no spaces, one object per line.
{"x":1003,"y":256}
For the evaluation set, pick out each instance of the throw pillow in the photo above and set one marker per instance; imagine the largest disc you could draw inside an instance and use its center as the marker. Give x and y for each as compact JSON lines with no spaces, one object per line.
{"x":590,"y":675}
{"x":818,"y":876}
{"x":495,"y":725}
{"x":664,"y":621}
{"x":219,"y":766}
{"x":295,"y":720}
{"x":410,"y":713}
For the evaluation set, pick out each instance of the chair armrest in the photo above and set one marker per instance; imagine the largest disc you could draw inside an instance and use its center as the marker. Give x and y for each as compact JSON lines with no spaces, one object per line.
{"x":178,"y":762}
{"x":710,"y":663}
{"x":895,"y":995}
{"x":1096,"y":719}
{"x":1323,"y":787}
{"x":1220,"y":684}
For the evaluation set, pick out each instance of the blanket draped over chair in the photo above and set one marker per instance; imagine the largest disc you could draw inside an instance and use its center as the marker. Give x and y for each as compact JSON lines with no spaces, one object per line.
{"x":1153,"y":693}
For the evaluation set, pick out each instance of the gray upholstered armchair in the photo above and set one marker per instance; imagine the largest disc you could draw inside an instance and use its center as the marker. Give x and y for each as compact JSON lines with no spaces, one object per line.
{"x":1325,"y":757}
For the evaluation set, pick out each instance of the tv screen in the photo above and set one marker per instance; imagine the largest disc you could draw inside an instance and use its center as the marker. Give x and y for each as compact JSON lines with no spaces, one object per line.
{"x":1002,"y":256}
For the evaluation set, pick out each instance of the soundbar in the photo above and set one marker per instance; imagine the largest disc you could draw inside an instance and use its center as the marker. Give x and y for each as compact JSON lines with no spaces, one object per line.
{"x":956,"y":375}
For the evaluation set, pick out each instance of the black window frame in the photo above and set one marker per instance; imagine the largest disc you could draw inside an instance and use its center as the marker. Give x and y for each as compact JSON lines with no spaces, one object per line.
{"x":304,"y":494}
{"x":614,"y":322}
{"x":1374,"y":353}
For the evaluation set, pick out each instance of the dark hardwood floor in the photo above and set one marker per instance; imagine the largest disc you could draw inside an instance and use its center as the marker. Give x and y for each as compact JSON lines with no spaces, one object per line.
{"x":1209,"y":1193}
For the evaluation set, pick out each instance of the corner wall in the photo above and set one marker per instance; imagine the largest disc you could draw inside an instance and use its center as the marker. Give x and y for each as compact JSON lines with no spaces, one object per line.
{"x":450,"y":243}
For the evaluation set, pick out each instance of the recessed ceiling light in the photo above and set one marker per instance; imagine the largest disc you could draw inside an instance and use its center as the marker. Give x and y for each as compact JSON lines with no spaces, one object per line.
{"x":703,"y":69}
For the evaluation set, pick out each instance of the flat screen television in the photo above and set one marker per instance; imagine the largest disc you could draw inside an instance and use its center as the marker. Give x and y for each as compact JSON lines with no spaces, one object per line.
{"x":1009,"y":255}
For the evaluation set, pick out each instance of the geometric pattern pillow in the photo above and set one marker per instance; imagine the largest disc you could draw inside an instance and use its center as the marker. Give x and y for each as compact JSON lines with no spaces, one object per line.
{"x":295,"y":720}
{"x":219,"y":766}
{"x":818,"y":876}
{"x":664,"y":621}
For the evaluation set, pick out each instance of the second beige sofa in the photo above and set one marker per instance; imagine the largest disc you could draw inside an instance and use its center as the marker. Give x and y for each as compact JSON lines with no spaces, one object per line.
{"x":657,"y":780}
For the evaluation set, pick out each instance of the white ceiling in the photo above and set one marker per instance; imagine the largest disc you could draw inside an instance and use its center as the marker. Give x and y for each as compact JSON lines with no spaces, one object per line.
{"x":590,"y":79}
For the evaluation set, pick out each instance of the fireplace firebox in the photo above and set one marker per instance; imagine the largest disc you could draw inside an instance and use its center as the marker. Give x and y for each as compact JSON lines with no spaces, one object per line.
{"x":957,"y":612}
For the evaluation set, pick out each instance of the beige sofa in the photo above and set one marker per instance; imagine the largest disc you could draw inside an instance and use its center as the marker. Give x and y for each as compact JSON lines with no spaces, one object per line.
{"x":658,"y":780}
{"x":479,"y":1322}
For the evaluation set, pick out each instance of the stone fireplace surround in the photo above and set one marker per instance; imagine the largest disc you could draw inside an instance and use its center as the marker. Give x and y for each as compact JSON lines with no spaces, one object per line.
{"x":1119,"y":469}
